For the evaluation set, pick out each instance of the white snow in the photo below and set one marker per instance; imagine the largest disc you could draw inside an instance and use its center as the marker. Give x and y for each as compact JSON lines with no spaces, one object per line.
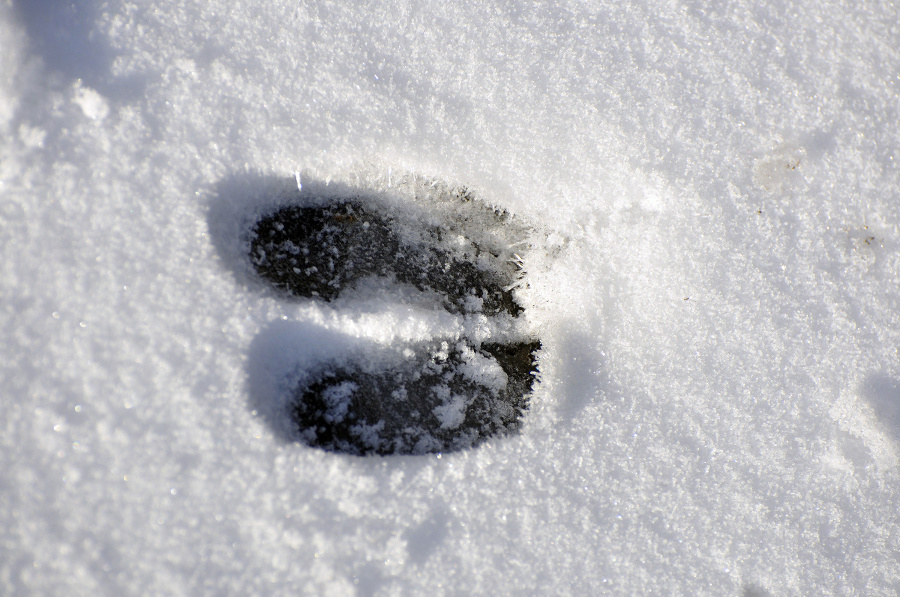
{"x":713,"y":270}
{"x":91,"y":103}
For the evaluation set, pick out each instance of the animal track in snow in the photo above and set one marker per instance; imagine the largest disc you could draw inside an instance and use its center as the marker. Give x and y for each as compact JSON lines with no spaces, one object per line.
{"x":442,"y":395}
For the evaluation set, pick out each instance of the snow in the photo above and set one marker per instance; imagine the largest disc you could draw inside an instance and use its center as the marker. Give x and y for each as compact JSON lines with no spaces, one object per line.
{"x":712,"y":198}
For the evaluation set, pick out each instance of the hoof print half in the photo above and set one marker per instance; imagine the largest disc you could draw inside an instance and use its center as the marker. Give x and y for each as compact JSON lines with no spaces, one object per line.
{"x":437,"y":397}
{"x":319,"y":251}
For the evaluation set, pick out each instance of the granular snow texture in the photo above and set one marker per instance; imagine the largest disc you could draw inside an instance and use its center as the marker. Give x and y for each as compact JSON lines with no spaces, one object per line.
{"x":711,"y":263}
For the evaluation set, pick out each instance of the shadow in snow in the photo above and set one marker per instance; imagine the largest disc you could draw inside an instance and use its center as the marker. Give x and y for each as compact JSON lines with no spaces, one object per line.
{"x":238,"y":201}
{"x":422,"y":540}
{"x":754,"y":590}
{"x":64,"y":35}
{"x":883,"y":393}
{"x":281,"y":357}
{"x":583,"y":374}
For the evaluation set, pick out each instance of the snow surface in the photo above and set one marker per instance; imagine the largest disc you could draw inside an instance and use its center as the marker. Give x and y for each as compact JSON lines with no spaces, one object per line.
{"x":715,"y":196}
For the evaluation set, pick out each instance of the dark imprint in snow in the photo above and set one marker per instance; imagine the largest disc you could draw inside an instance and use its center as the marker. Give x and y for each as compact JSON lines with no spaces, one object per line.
{"x":319,"y":251}
{"x":426,"y":402}
{"x":433,"y":397}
